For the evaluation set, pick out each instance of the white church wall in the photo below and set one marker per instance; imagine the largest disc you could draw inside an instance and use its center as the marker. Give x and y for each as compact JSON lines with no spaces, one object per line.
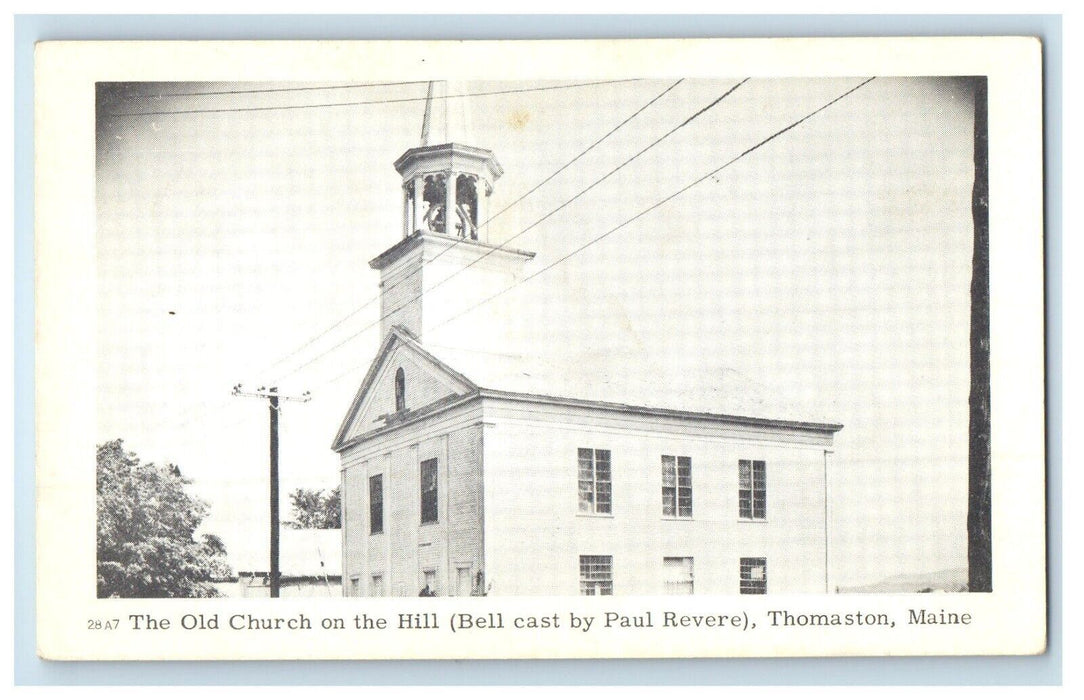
{"x":400,"y":294}
{"x":355,"y":500}
{"x":435,"y":279}
{"x":465,"y":508}
{"x":406,"y":548}
{"x":458,"y":288}
{"x":535,"y":532}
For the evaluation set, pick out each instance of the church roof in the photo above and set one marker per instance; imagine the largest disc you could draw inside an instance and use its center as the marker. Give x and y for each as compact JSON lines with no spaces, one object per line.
{"x":628,"y":380}
{"x":610,"y":380}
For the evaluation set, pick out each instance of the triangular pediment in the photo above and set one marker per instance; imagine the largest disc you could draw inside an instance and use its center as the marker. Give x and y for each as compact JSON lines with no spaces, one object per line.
{"x":428,"y":381}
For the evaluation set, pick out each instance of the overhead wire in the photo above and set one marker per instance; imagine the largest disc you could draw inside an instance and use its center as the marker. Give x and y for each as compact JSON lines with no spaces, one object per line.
{"x":519,"y":199}
{"x":374,"y":299}
{"x":598,"y":238}
{"x":654,"y":206}
{"x":631,"y":219}
{"x":253,"y":91}
{"x":502,"y":246}
{"x":269,"y":108}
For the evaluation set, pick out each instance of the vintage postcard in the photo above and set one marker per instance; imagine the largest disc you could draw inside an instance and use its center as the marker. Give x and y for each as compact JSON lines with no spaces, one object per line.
{"x":647,"y":348}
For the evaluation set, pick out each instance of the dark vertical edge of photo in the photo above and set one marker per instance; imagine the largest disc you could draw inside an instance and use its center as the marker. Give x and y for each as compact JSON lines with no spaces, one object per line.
{"x":979,"y":536}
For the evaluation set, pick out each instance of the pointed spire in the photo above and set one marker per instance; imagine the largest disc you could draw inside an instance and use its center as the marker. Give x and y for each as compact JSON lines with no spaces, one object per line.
{"x":428,"y":114}
{"x":447,"y":181}
{"x":446,"y":118}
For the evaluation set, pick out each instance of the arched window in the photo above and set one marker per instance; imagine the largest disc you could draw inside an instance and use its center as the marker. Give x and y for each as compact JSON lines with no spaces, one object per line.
{"x":433,"y":195}
{"x":466,"y":200}
{"x":400,"y":390}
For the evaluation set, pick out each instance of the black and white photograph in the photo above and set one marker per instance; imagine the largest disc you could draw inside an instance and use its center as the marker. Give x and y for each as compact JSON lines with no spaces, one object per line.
{"x":725,"y":336}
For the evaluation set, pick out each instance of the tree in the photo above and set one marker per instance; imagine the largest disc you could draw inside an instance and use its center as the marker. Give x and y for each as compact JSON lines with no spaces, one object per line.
{"x":314,"y":510}
{"x":147,"y":521}
{"x":215,"y":549}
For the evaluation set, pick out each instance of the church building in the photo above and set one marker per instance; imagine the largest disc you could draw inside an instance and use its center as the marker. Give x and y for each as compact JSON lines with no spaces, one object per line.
{"x":498,"y":471}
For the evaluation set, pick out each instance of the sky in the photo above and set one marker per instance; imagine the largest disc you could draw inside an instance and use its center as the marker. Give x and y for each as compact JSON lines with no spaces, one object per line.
{"x":831,"y":266}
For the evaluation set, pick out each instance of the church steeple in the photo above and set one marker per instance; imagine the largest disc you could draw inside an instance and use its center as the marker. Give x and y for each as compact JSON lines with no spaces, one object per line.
{"x":427,"y":117}
{"x":446,"y":184}
{"x":445,"y":236}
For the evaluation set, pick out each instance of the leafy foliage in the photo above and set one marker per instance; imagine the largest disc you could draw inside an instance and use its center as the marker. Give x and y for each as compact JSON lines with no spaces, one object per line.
{"x":146,"y":531}
{"x":312,"y":509}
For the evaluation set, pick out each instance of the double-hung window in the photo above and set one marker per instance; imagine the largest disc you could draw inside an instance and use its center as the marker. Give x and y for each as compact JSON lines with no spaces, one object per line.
{"x":752,"y":489}
{"x":376,"y":504}
{"x":678,"y":573}
{"x":595,"y":481}
{"x":429,"y":491}
{"x":754,"y":575}
{"x":677,"y":487}
{"x":597,"y":575}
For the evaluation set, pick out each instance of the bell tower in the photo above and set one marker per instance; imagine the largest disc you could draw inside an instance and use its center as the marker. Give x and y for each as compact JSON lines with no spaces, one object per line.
{"x":446,"y":185}
{"x":445,"y":245}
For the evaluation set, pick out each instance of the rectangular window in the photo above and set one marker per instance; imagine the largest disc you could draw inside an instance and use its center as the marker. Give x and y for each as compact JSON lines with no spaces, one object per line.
{"x":596,"y":575}
{"x":595,"y":484}
{"x":429,"y":582}
{"x":355,"y":585}
{"x":678,"y":572}
{"x":752,"y":489}
{"x":376,"y":586}
{"x":677,"y":486}
{"x":754,"y":575}
{"x":429,"y":491}
{"x":376,"y":504}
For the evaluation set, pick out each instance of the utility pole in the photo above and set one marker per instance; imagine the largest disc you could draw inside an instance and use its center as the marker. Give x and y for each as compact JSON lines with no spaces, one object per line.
{"x":273,"y":397}
{"x":979,"y":534}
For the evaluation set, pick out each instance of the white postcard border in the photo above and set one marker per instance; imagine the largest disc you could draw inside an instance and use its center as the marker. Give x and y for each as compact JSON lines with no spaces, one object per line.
{"x":1010,"y":620}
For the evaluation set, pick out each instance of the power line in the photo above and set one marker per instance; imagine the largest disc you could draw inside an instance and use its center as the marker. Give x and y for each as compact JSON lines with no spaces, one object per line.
{"x":526,"y":194}
{"x":597,"y":238}
{"x":593,"y":184}
{"x":490,"y":251}
{"x":654,"y":206}
{"x":189,"y":420}
{"x":581,"y":154}
{"x":266,"y":90}
{"x":628,"y":221}
{"x":368,"y":102}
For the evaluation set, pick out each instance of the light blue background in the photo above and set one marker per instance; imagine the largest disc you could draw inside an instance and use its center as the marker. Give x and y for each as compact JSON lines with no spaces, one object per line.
{"x":29,"y":670}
